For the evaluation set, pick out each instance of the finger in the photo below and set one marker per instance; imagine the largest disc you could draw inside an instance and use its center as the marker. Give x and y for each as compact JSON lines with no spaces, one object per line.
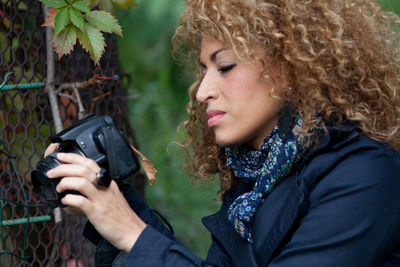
{"x":50,"y":149}
{"x":79,"y":184}
{"x":76,"y":204}
{"x":113,"y":186}
{"x":78,"y":159}
{"x":69,"y":170}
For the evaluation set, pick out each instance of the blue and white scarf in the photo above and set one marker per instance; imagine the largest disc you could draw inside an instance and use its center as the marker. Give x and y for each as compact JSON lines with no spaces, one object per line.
{"x":266,"y":166}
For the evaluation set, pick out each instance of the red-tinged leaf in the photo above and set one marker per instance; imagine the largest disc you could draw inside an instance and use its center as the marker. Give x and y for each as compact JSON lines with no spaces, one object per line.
{"x":76,"y":18}
{"x":49,"y":22}
{"x":81,"y":6}
{"x":64,"y":42}
{"x":147,"y":165}
{"x":92,"y":41}
{"x":103,"y":21}
{"x":124,"y":3}
{"x":54,"y":3}
{"x":61,"y":20}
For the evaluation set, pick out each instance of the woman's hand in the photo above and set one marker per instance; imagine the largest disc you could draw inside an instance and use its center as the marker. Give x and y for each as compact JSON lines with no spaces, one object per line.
{"x":105,"y":207}
{"x":71,"y":210}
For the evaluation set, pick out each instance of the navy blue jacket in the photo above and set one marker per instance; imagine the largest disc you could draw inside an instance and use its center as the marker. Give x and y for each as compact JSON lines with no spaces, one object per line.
{"x":340,"y":207}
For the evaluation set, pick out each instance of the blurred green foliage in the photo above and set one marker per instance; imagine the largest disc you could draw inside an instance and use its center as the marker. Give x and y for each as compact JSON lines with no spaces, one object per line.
{"x":392,"y":5}
{"x":158,"y":95}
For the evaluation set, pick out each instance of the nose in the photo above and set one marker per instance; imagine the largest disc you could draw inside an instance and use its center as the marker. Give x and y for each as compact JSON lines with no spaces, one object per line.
{"x":207,"y":89}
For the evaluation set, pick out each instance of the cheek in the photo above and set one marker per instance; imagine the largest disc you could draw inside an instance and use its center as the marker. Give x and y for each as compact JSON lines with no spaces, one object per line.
{"x":243,"y":88}
{"x":246,"y":80}
{"x":253,"y":117}
{"x":248,"y":122}
{"x":250,"y":94}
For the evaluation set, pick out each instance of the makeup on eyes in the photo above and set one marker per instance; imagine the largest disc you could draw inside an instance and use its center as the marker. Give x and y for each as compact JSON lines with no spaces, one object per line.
{"x":221,"y":57}
{"x":226,"y":68}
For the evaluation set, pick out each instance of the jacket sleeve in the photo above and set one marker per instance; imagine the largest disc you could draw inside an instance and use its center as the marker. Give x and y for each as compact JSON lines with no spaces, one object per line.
{"x":352,"y":216}
{"x":156,"y":246}
{"x":155,"y":249}
{"x":140,"y":207}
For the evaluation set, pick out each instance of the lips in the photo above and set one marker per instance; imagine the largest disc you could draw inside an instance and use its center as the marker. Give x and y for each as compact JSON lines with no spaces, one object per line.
{"x":214,"y":116}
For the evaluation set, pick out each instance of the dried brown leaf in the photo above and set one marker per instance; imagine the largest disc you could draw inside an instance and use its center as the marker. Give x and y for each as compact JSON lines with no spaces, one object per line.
{"x":147,"y":165}
{"x":149,"y":169}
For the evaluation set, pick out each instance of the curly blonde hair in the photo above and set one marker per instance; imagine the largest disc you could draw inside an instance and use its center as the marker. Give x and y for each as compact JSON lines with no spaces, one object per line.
{"x":341,"y":58}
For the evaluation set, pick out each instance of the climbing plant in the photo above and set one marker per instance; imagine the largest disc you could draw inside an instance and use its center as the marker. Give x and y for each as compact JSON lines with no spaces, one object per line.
{"x":85,"y":21}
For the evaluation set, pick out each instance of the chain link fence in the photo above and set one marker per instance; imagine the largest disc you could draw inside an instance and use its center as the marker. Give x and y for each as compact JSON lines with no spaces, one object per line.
{"x":29,"y":235}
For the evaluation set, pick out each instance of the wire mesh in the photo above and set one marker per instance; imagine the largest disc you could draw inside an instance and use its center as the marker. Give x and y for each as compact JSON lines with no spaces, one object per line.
{"x":28,"y":238}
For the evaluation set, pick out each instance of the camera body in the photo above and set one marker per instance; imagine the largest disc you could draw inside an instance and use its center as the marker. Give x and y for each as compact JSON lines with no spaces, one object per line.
{"x":92,"y":137}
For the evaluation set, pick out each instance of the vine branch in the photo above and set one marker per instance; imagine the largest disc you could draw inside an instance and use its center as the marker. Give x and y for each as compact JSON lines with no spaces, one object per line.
{"x":78,"y":85}
{"x":50,"y":89}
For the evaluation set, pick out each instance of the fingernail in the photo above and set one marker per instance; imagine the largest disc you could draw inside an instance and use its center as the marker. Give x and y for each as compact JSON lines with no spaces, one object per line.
{"x":55,"y":145}
{"x":60,"y":155}
{"x":50,"y":173}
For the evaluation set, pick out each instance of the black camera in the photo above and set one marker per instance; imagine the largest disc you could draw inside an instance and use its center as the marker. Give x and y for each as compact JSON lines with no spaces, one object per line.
{"x":92,"y":137}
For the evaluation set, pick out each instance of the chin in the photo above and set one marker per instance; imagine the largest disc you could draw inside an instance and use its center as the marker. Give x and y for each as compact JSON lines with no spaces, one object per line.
{"x":225,"y":143}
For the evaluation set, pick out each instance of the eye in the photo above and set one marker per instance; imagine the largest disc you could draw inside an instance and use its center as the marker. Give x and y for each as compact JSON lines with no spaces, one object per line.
{"x":224,"y":69}
{"x":203,"y":67}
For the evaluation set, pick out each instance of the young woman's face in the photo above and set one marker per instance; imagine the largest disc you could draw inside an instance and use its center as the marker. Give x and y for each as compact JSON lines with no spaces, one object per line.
{"x":241,"y":108}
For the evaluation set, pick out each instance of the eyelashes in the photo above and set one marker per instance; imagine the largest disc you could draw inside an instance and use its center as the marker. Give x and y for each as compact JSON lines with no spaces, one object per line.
{"x":227,"y":68}
{"x":203,"y":67}
{"x":222,"y":69}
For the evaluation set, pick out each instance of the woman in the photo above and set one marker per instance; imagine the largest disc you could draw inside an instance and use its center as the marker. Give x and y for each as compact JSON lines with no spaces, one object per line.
{"x":296,"y":109}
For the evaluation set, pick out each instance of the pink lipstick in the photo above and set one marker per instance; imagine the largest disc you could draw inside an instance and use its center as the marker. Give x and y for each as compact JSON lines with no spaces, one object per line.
{"x":214,"y":116}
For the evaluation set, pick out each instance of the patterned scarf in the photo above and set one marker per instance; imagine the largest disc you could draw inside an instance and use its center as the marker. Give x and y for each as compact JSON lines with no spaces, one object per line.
{"x":266,"y":167}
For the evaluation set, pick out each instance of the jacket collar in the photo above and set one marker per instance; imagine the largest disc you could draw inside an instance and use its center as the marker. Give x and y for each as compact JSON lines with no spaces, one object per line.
{"x":336,"y":137}
{"x":273,"y":220}
{"x":238,"y":249}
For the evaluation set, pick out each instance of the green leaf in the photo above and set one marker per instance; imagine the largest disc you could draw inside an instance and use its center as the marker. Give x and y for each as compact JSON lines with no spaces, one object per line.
{"x":103,"y":21}
{"x":54,"y":3}
{"x":81,"y":6}
{"x":64,"y":42}
{"x":124,"y":3}
{"x":76,"y":18}
{"x":61,"y":20}
{"x":106,"y":5}
{"x":92,"y":41}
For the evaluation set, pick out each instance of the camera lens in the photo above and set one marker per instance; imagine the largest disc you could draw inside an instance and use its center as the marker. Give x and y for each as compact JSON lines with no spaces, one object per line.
{"x":45,"y":187}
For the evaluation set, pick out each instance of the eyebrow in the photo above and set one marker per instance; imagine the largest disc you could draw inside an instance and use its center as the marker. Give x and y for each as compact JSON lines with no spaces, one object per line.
{"x":213,"y":55}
